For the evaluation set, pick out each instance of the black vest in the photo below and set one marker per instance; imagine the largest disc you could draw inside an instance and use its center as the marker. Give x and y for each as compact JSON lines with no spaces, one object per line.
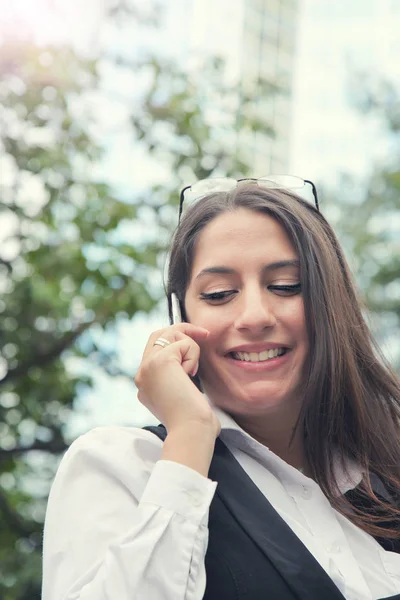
{"x":252,"y":553}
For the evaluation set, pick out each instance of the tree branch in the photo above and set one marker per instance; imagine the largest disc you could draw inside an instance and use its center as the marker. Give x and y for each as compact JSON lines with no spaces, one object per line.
{"x":7,"y":264}
{"x":57,"y":446}
{"x":20,"y":526}
{"x":41,"y":360}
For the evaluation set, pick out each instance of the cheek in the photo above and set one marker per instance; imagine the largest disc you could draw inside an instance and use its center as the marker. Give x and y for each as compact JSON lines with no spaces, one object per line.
{"x":292,"y":318}
{"x":219,"y":327}
{"x":206,"y":316}
{"x":299,"y":327}
{"x":301,"y":321}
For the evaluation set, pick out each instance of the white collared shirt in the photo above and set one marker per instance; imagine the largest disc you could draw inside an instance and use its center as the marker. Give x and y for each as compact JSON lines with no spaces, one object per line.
{"x":121,"y":523}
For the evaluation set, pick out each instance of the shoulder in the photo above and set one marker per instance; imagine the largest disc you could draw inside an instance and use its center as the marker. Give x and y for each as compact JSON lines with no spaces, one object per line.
{"x":113,"y":448}
{"x":113,"y":437}
{"x":113,"y":461}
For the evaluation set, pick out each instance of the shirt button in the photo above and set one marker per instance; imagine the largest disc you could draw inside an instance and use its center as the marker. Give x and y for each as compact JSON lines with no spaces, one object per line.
{"x":306,"y":492}
{"x":334,"y":549}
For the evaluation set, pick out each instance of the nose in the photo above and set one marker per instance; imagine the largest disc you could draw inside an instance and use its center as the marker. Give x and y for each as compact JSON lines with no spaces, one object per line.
{"x":255,"y":312}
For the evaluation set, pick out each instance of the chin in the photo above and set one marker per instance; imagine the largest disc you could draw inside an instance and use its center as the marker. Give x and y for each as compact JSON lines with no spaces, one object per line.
{"x":262,"y":405}
{"x":251,"y":402}
{"x":262,"y":392}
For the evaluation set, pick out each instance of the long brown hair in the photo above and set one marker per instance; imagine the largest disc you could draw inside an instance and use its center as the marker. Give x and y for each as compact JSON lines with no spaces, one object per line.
{"x":351,"y":400}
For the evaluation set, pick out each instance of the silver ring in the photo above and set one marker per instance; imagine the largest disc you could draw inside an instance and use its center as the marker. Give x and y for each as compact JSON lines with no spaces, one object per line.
{"x":161,"y":342}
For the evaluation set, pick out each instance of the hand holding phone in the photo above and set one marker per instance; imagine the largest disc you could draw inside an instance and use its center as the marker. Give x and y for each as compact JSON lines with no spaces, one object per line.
{"x":165,"y":377}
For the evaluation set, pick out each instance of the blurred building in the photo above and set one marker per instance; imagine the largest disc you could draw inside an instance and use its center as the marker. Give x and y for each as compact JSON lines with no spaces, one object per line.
{"x":345,"y":49}
{"x":257,"y":39}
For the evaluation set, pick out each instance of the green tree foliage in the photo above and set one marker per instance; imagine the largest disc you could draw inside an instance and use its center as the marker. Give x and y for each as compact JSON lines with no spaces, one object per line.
{"x":370,"y":217}
{"x":77,"y":255}
{"x":63,"y":269}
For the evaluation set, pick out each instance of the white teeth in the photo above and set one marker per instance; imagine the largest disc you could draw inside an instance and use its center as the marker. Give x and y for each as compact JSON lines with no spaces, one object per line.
{"x":258,"y":356}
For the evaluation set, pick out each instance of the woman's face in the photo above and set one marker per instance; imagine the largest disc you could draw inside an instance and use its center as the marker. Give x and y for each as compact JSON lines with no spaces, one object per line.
{"x":245,"y":289}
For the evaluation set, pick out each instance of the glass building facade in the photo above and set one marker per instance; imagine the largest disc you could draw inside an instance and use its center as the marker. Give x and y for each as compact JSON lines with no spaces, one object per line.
{"x":257,"y":40}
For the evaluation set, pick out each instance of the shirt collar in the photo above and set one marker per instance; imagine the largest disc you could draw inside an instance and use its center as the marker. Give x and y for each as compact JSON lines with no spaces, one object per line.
{"x":347,"y":476}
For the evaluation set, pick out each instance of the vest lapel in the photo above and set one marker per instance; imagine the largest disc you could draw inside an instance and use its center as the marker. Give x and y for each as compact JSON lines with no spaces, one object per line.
{"x":257,"y":517}
{"x":273,"y":536}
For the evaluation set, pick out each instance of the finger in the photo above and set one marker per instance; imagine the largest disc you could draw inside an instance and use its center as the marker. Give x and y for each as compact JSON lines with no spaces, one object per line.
{"x":174,"y":333}
{"x":168,"y":334}
{"x":183,"y":353}
{"x":193,"y":331}
{"x":186,"y":352}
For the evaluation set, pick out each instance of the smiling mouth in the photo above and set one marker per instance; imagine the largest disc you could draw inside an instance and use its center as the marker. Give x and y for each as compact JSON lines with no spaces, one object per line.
{"x":258,"y":356}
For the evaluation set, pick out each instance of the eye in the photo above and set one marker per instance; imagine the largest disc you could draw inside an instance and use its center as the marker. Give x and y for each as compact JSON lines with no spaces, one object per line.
{"x":286,"y":290}
{"x":217,"y":296}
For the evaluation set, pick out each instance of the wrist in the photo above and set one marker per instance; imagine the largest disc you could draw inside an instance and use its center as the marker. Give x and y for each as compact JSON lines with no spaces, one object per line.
{"x":207,"y":426}
{"x":191,"y":444}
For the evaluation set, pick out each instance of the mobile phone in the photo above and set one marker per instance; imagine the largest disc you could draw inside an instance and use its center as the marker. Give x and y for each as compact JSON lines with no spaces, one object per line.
{"x":176,"y":310}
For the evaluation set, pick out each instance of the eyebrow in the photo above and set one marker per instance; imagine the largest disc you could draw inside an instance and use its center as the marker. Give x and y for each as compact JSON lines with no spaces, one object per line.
{"x":221,"y":270}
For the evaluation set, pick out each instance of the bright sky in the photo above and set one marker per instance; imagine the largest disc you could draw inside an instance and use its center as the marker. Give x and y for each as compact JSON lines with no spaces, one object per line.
{"x":52,"y":20}
{"x":336,"y":38}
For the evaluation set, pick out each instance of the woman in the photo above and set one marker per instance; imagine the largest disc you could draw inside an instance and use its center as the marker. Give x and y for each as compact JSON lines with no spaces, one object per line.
{"x":280,"y":474}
